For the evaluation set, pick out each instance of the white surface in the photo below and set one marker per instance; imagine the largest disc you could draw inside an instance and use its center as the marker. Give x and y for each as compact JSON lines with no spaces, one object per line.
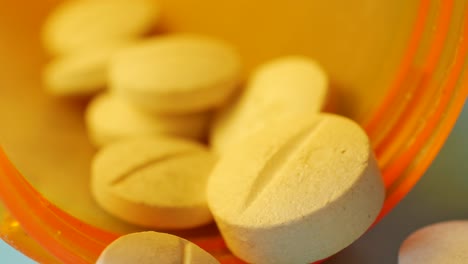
{"x":441,"y":194}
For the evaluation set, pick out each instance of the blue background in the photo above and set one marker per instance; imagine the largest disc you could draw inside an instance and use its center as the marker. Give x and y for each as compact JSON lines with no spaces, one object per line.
{"x":10,"y":256}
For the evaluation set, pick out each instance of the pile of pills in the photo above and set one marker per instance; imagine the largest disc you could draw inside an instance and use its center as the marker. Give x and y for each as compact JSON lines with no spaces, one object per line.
{"x":185,"y":139}
{"x":82,"y":35}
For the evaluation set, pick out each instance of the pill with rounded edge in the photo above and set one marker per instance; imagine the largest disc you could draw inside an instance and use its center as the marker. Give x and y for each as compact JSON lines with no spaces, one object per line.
{"x":80,"y":73}
{"x":109,"y":118}
{"x":179,"y":73}
{"x":296,"y":194}
{"x":287,"y":86}
{"x":80,"y":24}
{"x":445,"y":242}
{"x":152,"y":247}
{"x":156,"y":182}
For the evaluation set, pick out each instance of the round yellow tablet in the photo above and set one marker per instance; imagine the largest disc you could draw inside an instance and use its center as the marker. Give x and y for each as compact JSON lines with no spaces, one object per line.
{"x":296,"y":194}
{"x":156,"y":182}
{"x":110,"y":118}
{"x":81,"y":73}
{"x":154,"y":248}
{"x":79,"y":24}
{"x":284,"y":87}
{"x":176,"y":74}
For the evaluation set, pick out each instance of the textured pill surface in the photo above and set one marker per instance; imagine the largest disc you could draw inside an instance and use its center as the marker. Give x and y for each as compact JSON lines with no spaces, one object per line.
{"x":80,"y":24}
{"x":153,"y":247}
{"x":296,"y":194}
{"x":285,"y":87}
{"x":109,"y":118}
{"x":80,"y":73}
{"x":155,"y":182}
{"x":179,"y":73}
{"x":445,"y":242}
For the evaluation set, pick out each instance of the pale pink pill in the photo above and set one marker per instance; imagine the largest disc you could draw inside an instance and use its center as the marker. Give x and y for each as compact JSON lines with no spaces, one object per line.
{"x":445,"y":242}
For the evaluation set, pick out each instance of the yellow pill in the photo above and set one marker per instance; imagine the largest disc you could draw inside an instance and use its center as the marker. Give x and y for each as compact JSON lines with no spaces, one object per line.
{"x":156,"y":182}
{"x":109,"y":118}
{"x":81,"y":73}
{"x":296,"y":194}
{"x":80,"y":24}
{"x":176,"y":74}
{"x":282,"y":88}
{"x":154,"y":248}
